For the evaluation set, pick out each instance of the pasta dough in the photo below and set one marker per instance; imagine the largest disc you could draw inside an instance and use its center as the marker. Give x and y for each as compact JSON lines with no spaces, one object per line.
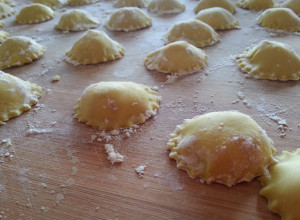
{"x":255,"y":4}
{"x":18,"y":50}
{"x":6,"y":11}
{"x":280,"y":19}
{"x":94,"y":47}
{"x":223,"y":147}
{"x":128,"y":19}
{"x":81,"y":2}
{"x":218,"y":18}
{"x":54,"y":4}
{"x":114,"y":105}
{"x":292,"y":4}
{"x":3,"y":35}
{"x":282,"y":185}
{"x":270,"y":60}
{"x":193,"y":31}
{"x":130,"y":3}
{"x":16,"y":96}
{"x":226,"y":4}
{"x":165,"y":7}
{"x":178,"y":58}
{"x":34,"y":13}
{"x":77,"y":20}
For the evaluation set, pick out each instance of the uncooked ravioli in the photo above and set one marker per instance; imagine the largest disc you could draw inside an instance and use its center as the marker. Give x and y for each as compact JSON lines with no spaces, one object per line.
{"x":94,"y":47}
{"x":165,"y":7}
{"x":34,"y":13}
{"x":77,"y":20}
{"x":3,"y":36}
{"x":8,"y":2}
{"x":179,"y":58}
{"x":128,"y":19}
{"x":1,"y":24}
{"x":19,"y":50}
{"x":255,"y":4}
{"x":282,"y":186}
{"x":6,"y":11}
{"x":54,"y":4}
{"x":280,"y":19}
{"x":81,"y":2}
{"x":218,"y":18}
{"x":16,"y":96}
{"x":270,"y":60}
{"x":114,"y":105}
{"x":130,"y":3}
{"x":223,"y":147}
{"x":226,"y":4}
{"x":292,"y":4}
{"x":193,"y":31}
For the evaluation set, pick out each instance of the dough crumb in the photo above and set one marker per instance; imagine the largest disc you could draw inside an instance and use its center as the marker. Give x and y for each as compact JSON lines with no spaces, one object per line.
{"x":113,"y":157}
{"x":56,"y":78}
{"x":140,"y":170}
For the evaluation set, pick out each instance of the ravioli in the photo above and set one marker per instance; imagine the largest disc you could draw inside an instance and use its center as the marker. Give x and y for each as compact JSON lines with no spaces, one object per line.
{"x":114,"y":105}
{"x":179,"y":58}
{"x":165,"y":7}
{"x":94,"y":47}
{"x":226,"y":4}
{"x":6,"y":11}
{"x":3,"y":35}
{"x":292,"y":4}
{"x":1,"y":24}
{"x":34,"y":13}
{"x":223,"y":147}
{"x":81,"y":2}
{"x":270,"y":60}
{"x":193,"y":31}
{"x":19,"y":50}
{"x":280,"y":19}
{"x":218,"y":18}
{"x":255,"y":4}
{"x":77,"y":20}
{"x":130,"y":3}
{"x":282,"y":186}
{"x":16,"y":96}
{"x":128,"y":19}
{"x":54,"y":4}
{"x":8,"y":2}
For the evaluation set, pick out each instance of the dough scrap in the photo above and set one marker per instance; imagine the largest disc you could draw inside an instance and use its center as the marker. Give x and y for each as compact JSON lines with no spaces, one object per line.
{"x":218,"y":18}
{"x":16,"y":96}
{"x":223,"y":147}
{"x":130,"y":3}
{"x":114,"y":105}
{"x":282,"y":185}
{"x":292,"y":4}
{"x":165,"y":7}
{"x":270,"y":60}
{"x":179,"y":58}
{"x":34,"y":13}
{"x":54,"y":4}
{"x":128,"y":19}
{"x":77,"y":20}
{"x":280,"y":19}
{"x":81,"y":2}
{"x":94,"y":47}
{"x":3,"y":36}
{"x":255,"y":4}
{"x":18,"y":50}
{"x":193,"y":31}
{"x":6,"y":11}
{"x":226,"y":4}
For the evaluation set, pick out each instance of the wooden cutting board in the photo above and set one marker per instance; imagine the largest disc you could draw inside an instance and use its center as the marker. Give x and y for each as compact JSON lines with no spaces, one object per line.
{"x":58,"y":171}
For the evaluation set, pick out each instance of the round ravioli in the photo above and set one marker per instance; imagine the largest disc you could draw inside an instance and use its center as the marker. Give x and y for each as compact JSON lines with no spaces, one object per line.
{"x":218,"y":18}
{"x":223,"y":147}
{"x":293,"y":5}
{"x":54,"y":4}
{"x":34,"y":13}
{"x":226,"y":4}
{"x":81,"y":2}
{"x":114,"y":105}
{"x":18,"y":50}
{"x":282,"y":186}
{"x":130,"y":3}
{"x":270,"y":60}
{"x":128,"y":19}
{"x":3,"y":35}
{"x":255,"y":4}
{"x":77,"y":20}
{"x":5,"y":10}
{"x":94,"y":47}
{"x":179,"y":58}
{"x":280,"y":19}
{"x":165,"y":7}
{"x":193,"y":31}
{"x":16,"y":96}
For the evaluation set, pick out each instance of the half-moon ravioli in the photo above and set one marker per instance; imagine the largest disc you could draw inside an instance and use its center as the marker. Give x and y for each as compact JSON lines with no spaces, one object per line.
{"x":81,"y":2}
{"x":193,"y":31}
{"x":165,"y":7}
{"x":3,"y":36}
{"x":130,"y":3}
{"x":19,"y":50}
{"x":255,"y":4}
{"x":282,"y":186}
{"x":77,"y":20}
{"x":280,"y":19}
{"x":179,"y":58}
{"x":54,"y":4}
{"x":218,"y":18}
{"x":94,"y":47}
{"x":34,"y":13}
{"x":270,"y":60}
{"x":226,"y":4}
{"x":6,"y":11}
{"x":8,"y":2}
{"x":292,"y":4}
{"x":128,"y":19}
{"x":114,"y":105}
{"x":223,"y":147}
{"x":16,"y":96}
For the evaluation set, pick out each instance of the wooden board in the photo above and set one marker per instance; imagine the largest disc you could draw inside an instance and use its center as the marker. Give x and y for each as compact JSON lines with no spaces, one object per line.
{"x":62,"y":174}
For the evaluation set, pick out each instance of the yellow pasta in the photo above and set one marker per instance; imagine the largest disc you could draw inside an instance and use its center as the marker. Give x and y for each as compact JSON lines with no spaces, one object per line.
{"x":165,"y":7}
{"x":54,"y":4}
{"x":6,"y":11}
{"x":34,"y":13}
{"x":255,"y":4}
{"x":204,"y":4}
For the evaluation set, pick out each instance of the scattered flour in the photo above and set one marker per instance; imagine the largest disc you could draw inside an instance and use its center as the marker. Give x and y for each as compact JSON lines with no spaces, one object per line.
{"x":6,"y":150}
{"x":113,"y":157}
